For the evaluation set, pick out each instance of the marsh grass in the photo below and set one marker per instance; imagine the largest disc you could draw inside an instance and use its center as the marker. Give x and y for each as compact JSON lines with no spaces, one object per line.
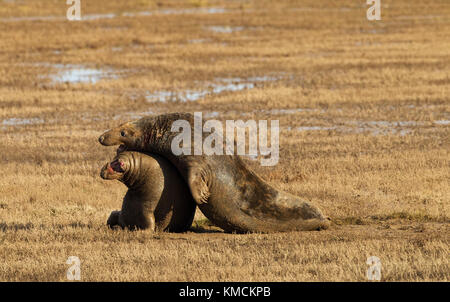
{"x":379,"y":167}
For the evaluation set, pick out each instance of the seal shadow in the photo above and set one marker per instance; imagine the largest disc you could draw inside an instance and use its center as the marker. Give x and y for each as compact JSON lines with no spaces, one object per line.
{"x":204,"y":226}
{"x":202,"y":230}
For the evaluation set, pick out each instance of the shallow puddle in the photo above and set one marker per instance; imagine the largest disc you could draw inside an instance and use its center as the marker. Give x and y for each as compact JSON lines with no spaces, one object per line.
{"x":386,"y":124}
{"x":221,"y":85}
{"x":182,"y":11}
{"x":311,"y":128}
{"x":79,"y":74}
{"x":225,"y":29}
{"x":288,"y":111}
{"x":274,"y":111}
{"x":14,"y":121}
{"x":442,"y":122}
{"x":90,"y":17}
{"x":198,"y":41}
{"x":323,"y":9}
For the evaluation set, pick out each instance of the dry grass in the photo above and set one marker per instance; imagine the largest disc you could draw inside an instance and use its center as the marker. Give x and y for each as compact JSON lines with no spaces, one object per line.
{"x":385,"y":184}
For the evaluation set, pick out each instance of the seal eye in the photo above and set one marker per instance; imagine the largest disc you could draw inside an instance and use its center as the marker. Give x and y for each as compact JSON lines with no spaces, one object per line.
{"x":122,"y":133}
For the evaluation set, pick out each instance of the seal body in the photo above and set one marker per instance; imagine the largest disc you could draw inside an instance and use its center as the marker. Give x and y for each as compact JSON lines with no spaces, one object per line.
{"x":157,"y":198}
{"x":227,"y":192}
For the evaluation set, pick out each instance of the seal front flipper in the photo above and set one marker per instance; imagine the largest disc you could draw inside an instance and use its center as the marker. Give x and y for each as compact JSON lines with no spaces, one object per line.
{"x":198,"y":185}
{"x":113,"y":219}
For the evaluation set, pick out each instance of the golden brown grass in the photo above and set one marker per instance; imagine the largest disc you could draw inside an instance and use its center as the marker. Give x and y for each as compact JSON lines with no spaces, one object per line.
{"x":385,"y":185}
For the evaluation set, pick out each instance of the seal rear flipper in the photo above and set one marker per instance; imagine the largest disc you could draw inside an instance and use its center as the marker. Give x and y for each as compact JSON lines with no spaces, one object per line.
{"x":198,"y":185}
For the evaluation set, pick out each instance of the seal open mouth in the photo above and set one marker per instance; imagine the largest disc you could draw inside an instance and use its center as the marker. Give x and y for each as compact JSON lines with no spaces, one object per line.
{"x":122,"y":148}
{"x":116,"y":167}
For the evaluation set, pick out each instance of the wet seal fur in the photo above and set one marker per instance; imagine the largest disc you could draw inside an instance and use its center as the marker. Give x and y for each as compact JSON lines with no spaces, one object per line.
{"x":227,"y":192}
{"x":157,"y":199}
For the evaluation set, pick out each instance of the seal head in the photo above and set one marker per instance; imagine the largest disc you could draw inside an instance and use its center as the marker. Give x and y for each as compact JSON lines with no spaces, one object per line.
{"x":113,"y":170}
{"x":126,"y":135}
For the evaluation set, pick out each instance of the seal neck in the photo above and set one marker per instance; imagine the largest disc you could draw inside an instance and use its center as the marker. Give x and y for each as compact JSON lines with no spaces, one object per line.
{"x":133,"y":176}
{"x":158,"y":134}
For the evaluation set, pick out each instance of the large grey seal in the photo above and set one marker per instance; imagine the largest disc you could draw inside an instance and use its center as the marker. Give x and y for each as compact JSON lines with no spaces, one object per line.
{"x":157,"y":199}
{"x":227,"y":192}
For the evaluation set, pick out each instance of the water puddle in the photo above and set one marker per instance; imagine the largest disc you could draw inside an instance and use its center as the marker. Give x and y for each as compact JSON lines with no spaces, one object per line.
{"x":79,"y":74}
{"x":442,"y":122}
{"x":183,"y":11}
{"x":211,"y":114}
{"x":221,"y":85}
{"x":98,"y":16}
{"x":32,"y":18}
{"x":219,"y":88}
{"x":387,"y":124}
{"x":14,"y":121}
{"x":311,"y":128}
{"x":225,"y":29}
{"x":184,"y":96}
{"x":90,"y":17}
{"x":198,"y":41}
{"x":322,"y":9}
{"x":230,"y":29}
{"x":278,"y":111}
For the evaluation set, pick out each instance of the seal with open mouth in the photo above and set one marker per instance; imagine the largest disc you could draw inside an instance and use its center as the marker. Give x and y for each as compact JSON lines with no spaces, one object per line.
{"x":157,"y":199}
{"x":227,"y":192}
